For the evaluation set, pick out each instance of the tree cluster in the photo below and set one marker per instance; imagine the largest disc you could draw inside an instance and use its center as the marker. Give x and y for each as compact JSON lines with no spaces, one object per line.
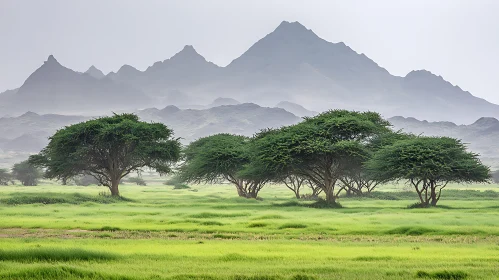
{"x":334,"y":152}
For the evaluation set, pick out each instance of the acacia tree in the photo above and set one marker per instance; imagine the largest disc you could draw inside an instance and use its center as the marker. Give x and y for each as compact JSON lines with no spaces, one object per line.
{"x":26,"y":173}
{"x":5,"y":177}
{"x":320,"y":149}
{"x":428,"y":164}
{"x":356,"y":180}
{"x":218,"y":158}
{"x":108,"y":149}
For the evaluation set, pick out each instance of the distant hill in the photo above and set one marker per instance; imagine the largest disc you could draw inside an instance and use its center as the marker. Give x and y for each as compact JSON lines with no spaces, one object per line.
{"x":224,"y":101}
{"x":295,"y":109}
{"x":243,"y":119}
{"x":29,"y":132}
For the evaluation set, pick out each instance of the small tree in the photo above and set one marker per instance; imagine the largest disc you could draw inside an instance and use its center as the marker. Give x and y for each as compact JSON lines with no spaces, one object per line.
{"x":320,"y":149}
{"x":137,"y":180}
{"x":428,"y":164}
{"x":26,"y":173}
{"x":219,"y":158}
{"x":85,"y":180}
{"x":5,"y":177}
{"x":108,"y":149}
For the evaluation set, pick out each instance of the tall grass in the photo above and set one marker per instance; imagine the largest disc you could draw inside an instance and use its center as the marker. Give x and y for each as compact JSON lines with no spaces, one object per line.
{"x":58,"y":198}
{"x":54,"y":255}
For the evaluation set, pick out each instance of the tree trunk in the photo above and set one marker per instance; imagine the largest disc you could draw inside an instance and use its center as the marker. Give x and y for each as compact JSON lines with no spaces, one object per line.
{"x":240,"y":191}
{"x":329,"y":190}
{"x":330,"y":197}
{"x":114,"y":188}
{"x":433,"y":194}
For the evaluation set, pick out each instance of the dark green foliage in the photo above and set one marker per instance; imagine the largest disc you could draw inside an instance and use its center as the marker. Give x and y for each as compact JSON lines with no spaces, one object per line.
{"x":257,"y":225}
{"x":137,"y":180}
{"x":323,"y":204}
{"x":428,"y":163}
{"x":109,"y":228}
{"x":444,"y":275}
{"x":109,"y":149}
{"x":320,"y":149}
{"x":26,"y":173}
{"x":5,"y":177}
{"x":54,"y":255}
{"x":218,"y":158}
{"x":292,"y":225}
{"x":55,"y":198}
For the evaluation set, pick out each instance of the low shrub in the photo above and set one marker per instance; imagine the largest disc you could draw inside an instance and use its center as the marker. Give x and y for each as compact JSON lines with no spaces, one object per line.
{"x":323,"y":204}
{"x":257,"y":225}
{"x":444,"y":274}
{"x":292,"y":225}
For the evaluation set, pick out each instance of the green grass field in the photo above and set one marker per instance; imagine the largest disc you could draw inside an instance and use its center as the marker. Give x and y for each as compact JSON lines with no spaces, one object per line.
{"x":206,"y":232}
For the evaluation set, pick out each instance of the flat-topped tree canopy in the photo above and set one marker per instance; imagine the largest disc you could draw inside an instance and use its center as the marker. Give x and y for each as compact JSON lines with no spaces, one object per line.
{"x":218,"y":158}
{"x":429,"y":164}
{"x":109,"y":148}
{"x":321,"y":148}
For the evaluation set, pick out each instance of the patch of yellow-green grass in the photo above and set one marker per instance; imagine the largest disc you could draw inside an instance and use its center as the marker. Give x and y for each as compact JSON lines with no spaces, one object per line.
{"x":211,"y":233}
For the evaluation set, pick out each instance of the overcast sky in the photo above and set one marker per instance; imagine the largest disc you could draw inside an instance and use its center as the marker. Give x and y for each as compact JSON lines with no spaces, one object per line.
{"x":456,"y":39}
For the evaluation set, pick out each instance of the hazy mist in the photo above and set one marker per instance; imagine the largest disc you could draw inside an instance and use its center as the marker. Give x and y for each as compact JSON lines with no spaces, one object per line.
{"x":454,"y":39}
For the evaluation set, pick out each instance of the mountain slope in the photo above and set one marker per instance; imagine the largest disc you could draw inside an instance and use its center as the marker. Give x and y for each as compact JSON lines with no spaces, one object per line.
{"x":55,"y":88}
{"x":296,"y":109}
{"x":94,"y":72}
{"x":243,"y":119}
{"x":291,"y":63}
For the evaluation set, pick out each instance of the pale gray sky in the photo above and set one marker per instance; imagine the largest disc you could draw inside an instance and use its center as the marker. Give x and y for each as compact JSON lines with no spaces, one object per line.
{"x":456,"y":39}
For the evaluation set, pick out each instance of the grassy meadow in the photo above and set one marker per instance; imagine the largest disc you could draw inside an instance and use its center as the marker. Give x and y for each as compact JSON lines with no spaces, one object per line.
{"x":207,"y":232}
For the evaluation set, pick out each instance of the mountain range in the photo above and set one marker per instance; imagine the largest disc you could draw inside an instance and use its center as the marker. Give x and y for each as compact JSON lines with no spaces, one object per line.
{"x":290,"y":64}
{"x":29,"y":133}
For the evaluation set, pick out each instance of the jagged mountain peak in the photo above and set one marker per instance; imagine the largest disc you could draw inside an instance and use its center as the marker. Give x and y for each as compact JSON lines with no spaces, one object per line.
{"x":295,"y":27}
{"x":29,"y":114}
{"x":188,"y":53}
{"x":95,"y":72}
{"x":51,"y":60}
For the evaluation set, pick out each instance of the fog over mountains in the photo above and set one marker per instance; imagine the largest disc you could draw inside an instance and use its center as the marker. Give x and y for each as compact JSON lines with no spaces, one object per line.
{"x":29,"y":133}
{"x":290,"y":64}
{"x":288,"y":74}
